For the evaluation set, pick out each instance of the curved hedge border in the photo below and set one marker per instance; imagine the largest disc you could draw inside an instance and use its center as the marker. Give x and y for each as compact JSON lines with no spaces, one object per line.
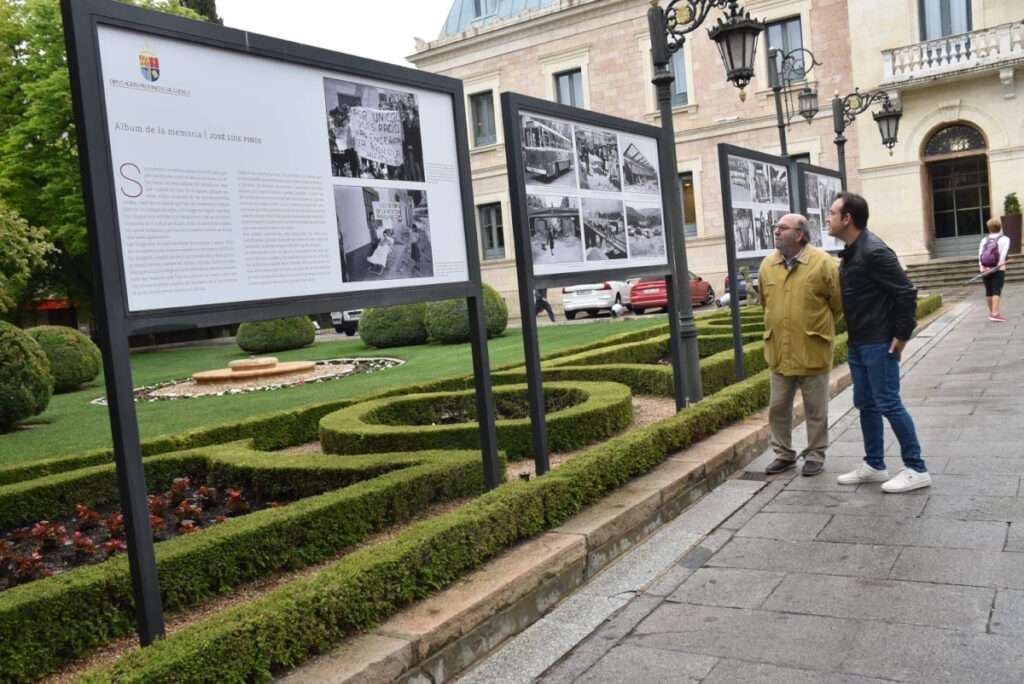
{"x":48,"y":622}
{"x":648,"y":351}
{"x":605,"y":409}
{"x":251,"y":642}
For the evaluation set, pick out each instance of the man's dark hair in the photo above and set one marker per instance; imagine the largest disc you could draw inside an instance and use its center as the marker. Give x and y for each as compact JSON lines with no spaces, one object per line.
{"x":856,"y":206}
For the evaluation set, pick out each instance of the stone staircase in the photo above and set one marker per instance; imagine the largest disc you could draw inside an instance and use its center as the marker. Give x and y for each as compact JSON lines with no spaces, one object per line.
{"x":949,"y":274}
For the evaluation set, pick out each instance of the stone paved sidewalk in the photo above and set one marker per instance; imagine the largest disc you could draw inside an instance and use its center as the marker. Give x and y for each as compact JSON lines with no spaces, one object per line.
{"x":795,"y":580}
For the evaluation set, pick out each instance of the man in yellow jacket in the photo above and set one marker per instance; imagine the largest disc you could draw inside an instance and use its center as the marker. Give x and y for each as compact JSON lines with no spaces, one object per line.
{"x":802,"y":300}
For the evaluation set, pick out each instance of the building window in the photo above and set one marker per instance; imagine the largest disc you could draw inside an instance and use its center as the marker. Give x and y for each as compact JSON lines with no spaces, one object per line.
{"x":569,"y":88}
{"x":483,"y":8}
{"x":940,"y":18}
{"x":482,"y":105}
{"x":959,"y":181}
{"x":786,"y":35}
{"x":492,"y":237}
{"x":955,"y":139}
{"x":689,"y":204}
{"x":678,"y":68}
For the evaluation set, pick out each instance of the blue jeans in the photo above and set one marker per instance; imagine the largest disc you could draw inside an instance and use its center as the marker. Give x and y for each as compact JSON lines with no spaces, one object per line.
{"x":876,"y":393}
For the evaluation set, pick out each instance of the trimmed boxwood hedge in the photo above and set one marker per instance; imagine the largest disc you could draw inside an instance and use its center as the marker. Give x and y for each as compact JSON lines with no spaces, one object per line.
{"x":603,"y":410}
{"x":74,"y":358}
{"x":447,"y":320}
{"x":282,"y":334}
{"x":45,"y":623}
{"x":25,"y":381}
{"x":401,"y":325}
{"x":252,"y":642}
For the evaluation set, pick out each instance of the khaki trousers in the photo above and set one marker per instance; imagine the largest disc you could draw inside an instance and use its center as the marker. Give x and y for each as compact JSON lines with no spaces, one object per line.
{"x":814,"y":389}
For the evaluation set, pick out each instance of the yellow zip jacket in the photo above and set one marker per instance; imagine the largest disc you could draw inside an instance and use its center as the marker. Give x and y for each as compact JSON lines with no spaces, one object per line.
{"x":801,"y":307}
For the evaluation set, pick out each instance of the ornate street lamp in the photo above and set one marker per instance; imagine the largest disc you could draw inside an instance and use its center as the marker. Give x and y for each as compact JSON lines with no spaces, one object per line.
{"x":845,"y":111}
{"x":736,"y":35}
{"x":784,"y":70}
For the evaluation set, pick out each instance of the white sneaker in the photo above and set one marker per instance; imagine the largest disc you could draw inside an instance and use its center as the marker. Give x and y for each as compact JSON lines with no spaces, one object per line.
{"x":863,"y":473}
{"x":908,"y":480}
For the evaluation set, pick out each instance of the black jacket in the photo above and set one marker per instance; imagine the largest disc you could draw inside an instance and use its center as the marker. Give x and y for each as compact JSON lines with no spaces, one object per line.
{"x":879,"y":301}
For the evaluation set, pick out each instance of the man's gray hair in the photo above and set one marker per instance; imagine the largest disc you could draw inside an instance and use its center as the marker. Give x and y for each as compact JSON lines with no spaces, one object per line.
{"x":804,"y":227}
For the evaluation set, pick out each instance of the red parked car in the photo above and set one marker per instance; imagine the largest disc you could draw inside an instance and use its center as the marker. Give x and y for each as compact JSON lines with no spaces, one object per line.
{"x":651,"y":294}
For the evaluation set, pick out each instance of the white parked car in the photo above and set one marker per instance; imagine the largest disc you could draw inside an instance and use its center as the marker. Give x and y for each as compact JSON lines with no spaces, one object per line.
{"x":595,"y":297}
{"x":346,"y":321}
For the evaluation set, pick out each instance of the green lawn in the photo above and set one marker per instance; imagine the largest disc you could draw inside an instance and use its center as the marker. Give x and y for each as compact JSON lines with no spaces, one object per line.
{"x":74,"y":425}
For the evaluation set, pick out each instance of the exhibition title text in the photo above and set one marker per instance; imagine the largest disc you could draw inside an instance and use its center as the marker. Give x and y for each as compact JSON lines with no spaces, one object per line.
{"x":188,"y":133}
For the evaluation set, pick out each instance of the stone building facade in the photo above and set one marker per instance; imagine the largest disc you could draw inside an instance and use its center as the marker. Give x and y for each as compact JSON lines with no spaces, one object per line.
{"x":596,"y":54}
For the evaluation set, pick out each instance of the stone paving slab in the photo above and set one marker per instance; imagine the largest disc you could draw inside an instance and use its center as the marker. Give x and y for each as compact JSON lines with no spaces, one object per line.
{"x":938,"y":656}
{"x":626,"y":663}
{"x":936,"y":605}
{"x":740,"y":672}
{"x":800,"y":556}
{"x":728,"y":588}
{"x":802,"y":641}
{"x":1008,"y":613}
{"x":996,"y":508}
{"x":788,"y":526}
{"x":945,"y":533}
{"x":856,"y":501}
{"x":961,"y":566}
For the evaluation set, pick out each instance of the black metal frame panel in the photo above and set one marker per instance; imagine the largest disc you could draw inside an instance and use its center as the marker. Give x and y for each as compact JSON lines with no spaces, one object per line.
{"x":89,"y":14}
{"x":724,"y":152}
{"x":82,"y":19}
{"x":512,"y":106}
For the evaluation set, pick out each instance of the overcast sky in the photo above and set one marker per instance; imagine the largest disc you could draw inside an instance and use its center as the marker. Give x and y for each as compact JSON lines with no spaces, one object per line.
{"x":378,"y":29}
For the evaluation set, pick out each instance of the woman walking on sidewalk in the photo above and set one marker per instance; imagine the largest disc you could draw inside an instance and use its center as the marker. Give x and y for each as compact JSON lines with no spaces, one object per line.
{"x":992,"y":255}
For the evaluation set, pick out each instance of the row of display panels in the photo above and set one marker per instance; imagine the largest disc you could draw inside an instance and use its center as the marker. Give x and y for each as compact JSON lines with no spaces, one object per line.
{"x":241,"y":178}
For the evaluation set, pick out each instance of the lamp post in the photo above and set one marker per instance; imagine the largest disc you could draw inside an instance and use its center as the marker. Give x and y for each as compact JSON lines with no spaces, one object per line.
{"x":736,"y":35}
{"x":845,"y":111}
{"x":783,"y":71}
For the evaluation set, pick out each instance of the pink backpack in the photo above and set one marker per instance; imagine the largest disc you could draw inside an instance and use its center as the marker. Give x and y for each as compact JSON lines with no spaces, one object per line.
{"x":990,"y":253}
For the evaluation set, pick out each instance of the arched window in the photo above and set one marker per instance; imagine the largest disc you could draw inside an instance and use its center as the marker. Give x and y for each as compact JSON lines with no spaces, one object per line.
{"x":953,"y":139}
{"x":958,"y":171}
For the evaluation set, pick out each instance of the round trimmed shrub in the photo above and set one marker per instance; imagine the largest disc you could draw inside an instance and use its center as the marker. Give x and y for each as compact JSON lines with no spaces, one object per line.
{"x":261,"y":337}
{"x":25,"y":381}
{"x":448,"y":320}
{"x":393,"y":326}
{"x":74,"y":358}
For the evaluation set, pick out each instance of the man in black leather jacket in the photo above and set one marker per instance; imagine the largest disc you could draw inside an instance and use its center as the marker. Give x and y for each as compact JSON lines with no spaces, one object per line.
{"x":880,"y":305}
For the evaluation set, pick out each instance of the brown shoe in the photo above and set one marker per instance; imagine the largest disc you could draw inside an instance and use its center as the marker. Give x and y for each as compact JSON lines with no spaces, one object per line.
{"x":812,"y":468}
{"x":779,"y":465}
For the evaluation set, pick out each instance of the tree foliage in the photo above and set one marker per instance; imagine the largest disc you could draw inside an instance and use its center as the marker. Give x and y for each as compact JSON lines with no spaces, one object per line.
{"x":39,"y":173}
{"x":23,"y":252}
{"x":207,"y":8}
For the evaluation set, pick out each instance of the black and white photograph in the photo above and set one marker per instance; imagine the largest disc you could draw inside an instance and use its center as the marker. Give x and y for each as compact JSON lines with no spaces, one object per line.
{"x":820,"y":191}
{"x":778,"y":177}
{"x":548,"y":152}
{"x":762,"y":188}
{"x":373,"y":132}
{"x":740,"y":179}
{"x":604,"y":230}
{"x":597,"y":159}
{"x":814,"y":220}
{"x":555,"y":236}
{"x":639,"y":165}
{"x":763,"y":233}
{"x":645,"y":231}
{"x":383,"y":233}
{"x":743,"y":229}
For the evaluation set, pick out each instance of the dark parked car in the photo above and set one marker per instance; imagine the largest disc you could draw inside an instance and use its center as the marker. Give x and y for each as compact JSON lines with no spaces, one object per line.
{"x":651,"y":294}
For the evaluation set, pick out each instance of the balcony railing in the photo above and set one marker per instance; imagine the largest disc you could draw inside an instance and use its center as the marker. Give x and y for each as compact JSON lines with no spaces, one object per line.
{"x":989,"y":47}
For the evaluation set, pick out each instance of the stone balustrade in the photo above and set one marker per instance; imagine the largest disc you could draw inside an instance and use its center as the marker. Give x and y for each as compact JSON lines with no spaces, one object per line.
{"x":995,"y":47}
